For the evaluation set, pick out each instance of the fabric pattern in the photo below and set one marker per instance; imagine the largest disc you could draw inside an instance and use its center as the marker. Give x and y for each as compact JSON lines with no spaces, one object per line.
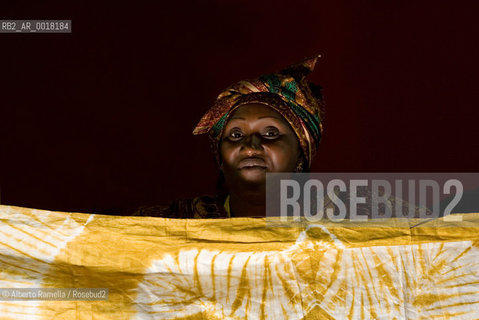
{"x":240,"y":268}
{"x":288,"y":92}
{"x":202,"y":207}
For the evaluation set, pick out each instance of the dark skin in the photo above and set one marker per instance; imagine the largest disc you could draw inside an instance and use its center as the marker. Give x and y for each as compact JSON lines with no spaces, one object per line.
{"x":256,"y":140}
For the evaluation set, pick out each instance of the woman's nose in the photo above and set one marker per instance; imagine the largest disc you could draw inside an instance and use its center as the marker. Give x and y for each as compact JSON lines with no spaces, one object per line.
{"x":253,"y":142}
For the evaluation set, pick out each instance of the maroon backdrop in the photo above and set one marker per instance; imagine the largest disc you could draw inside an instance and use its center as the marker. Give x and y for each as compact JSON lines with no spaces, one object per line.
{"x":100,"y":120}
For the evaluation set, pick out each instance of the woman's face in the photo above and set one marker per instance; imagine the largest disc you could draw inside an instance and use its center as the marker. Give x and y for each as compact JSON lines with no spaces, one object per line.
{"x":256,"y":140}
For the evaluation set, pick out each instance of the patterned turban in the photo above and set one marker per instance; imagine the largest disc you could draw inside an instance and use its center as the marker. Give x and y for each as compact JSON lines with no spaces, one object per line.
{"x":287,"y":92}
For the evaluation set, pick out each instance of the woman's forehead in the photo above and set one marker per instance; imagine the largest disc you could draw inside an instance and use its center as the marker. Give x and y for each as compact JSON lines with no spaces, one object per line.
{"x":255,"y":111}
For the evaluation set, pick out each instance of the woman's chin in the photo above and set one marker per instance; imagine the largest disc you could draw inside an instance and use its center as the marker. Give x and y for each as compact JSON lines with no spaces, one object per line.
{"x":254,"y":175}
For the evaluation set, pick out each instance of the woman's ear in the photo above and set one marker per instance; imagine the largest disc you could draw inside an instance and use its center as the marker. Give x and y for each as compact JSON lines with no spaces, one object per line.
{"x":299,"y":167}
{"x":300,"y":164}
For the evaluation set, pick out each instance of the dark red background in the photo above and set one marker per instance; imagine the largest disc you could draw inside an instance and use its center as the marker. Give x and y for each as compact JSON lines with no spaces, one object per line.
{"x":100,"y":120}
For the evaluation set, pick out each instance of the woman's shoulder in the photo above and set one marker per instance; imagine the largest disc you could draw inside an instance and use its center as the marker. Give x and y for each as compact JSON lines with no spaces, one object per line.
{"x":202,"y":207}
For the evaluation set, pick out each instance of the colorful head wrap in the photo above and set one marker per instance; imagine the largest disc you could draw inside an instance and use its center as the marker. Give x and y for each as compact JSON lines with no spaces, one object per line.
{"x":287,"y":92}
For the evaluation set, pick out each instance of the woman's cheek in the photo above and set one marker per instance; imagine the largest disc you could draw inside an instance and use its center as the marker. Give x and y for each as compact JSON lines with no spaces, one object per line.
{"x":288,"y":155}
{"x":279,"y":157}
{"x":228,"y":152}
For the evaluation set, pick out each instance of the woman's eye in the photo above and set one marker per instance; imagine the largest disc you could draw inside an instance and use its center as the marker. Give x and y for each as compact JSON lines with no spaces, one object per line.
{"x":271,"y":133}
{"x":235,"y":135}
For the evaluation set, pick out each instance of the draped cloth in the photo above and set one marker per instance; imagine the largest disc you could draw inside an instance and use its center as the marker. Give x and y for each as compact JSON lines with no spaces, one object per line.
{"x":240,"y":268}
{"x":287,"y":91}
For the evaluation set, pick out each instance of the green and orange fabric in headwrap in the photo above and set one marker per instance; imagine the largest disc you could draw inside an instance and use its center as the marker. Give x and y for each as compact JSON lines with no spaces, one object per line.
{"x":287,"y":92}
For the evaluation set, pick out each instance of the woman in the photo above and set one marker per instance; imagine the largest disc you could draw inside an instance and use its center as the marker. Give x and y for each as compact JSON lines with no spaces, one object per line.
{"x":268,"y":124}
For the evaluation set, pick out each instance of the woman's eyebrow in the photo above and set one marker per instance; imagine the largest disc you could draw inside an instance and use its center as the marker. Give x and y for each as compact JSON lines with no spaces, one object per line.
{"x":263,"y":117}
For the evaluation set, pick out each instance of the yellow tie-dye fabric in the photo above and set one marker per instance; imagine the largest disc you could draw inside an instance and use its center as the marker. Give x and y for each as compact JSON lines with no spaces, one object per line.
{"x":239,"y":268}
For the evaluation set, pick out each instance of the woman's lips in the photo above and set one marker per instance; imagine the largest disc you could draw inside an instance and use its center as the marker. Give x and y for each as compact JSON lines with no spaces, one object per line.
{"x":252,"y":163}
